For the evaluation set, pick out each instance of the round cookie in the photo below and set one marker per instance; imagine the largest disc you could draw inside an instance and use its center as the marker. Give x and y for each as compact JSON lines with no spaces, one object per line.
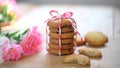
{"x":63,"y":35}
{"x":64,"y":47}
{"x":64,"y":22}
{"x":63,"y":30}
{"x":96,"y":38}
{"x":63,"y":41}
{"x":64,"y":52}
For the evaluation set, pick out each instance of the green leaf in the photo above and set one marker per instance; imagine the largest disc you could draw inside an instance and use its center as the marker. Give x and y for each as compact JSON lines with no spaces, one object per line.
{"x":18,"y":38}
{"x":25,"y":32}
{"x":4,"y":10}
{"x":7,"y":35}
{"x":11,"y":35}
{"x":14,"y":33}
{"x":5,"y":19}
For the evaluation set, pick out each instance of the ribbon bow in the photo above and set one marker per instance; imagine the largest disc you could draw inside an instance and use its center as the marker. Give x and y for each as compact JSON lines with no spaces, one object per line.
{"x":55,"y":14}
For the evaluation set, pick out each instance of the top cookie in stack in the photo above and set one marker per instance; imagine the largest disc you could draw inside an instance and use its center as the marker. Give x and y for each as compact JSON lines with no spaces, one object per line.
{"x":67,"y":36}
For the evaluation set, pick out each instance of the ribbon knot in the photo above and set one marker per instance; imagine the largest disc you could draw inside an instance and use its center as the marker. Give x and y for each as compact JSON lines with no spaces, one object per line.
{"x":55,"y":14}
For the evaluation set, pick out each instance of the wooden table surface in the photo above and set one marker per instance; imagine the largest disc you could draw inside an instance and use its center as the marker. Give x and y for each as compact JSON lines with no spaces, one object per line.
{"x":110,"y":59}
{"x":110,"y":52}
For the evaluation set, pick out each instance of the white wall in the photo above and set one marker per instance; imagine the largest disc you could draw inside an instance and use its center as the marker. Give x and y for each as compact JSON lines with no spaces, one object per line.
{"x":81,"y":2}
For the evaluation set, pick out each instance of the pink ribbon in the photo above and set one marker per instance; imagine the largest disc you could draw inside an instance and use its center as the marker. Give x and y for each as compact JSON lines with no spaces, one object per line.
{"x":56,"y":15}
{"x":65,"y":15}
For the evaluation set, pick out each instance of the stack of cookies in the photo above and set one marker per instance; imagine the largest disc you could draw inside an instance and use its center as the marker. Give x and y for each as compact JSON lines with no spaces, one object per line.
{"x":67,"y":37}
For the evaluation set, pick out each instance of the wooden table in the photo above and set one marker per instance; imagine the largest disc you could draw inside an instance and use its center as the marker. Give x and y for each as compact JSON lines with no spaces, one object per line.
{"x":110,"y":52}
{"x":110,"y":59}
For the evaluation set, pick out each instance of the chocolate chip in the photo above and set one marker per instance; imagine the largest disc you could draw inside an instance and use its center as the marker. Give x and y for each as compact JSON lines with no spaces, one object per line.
{"x":69,"y":50}
{"x":58,"y":28}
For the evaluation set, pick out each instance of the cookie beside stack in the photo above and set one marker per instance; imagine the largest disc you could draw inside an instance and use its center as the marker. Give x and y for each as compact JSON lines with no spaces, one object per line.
{"x":67,"y":37}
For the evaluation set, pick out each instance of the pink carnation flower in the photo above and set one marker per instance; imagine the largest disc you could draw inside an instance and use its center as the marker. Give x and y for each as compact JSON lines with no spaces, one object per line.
{"x":31,"y":43}
{"x":11,"y":52}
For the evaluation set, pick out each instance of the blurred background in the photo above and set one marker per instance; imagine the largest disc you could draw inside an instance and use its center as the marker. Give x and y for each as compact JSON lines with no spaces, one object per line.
{"x":75,"y":2}
{"x":90,"y":15}
{"x":99,"y":15}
